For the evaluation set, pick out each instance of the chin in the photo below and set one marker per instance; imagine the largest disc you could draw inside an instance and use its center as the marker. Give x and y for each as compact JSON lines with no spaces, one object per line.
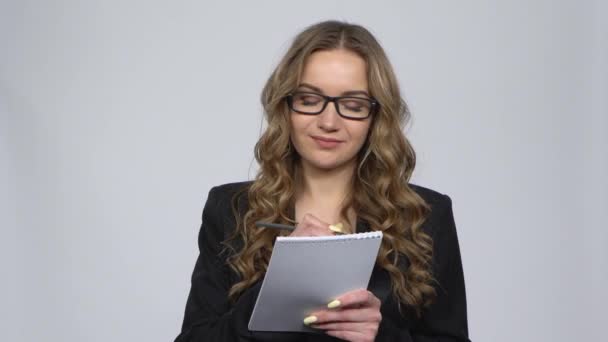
{"x":327,"y":164}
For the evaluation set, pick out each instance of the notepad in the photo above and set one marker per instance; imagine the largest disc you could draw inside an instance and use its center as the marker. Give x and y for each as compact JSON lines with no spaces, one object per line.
{"x":306,"y":273}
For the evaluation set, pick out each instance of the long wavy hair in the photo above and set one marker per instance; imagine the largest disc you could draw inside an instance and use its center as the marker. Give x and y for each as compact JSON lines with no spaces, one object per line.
{"x":380,"y":192}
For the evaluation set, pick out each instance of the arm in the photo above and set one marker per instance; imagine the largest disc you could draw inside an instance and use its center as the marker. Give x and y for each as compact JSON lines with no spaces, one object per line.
{"x":446,"y":318}
{"x":209,"y":316}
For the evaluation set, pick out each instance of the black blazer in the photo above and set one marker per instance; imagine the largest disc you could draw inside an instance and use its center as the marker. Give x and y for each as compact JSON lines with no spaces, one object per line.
{"x":209,"y":316}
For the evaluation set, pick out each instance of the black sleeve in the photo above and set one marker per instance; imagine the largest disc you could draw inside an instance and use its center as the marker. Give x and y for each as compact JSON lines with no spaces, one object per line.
{"x":209,"y":315}
{"x":445,"y":319}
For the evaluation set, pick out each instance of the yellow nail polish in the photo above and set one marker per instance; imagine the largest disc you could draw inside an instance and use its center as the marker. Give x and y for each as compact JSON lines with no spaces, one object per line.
{"x":336,"y":228}
{"x":310,"y":319}
{"x":334,"y":304}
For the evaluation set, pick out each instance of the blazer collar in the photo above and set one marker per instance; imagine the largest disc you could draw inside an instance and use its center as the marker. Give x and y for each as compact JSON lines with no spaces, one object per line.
{"x":362,"y":226}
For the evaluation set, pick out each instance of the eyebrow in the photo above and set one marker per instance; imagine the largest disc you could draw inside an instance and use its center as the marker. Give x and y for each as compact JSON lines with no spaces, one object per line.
{"x":346,"y":93}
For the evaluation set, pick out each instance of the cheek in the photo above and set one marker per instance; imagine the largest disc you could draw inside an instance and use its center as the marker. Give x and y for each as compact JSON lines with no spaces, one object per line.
{"x":360,"y":134}
{"x":296,"y":128}
{"x":293,"y":127}
{"x":294,"y":123}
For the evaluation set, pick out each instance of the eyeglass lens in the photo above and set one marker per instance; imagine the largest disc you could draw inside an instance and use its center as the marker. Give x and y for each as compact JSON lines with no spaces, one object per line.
{"x":311,"y":103}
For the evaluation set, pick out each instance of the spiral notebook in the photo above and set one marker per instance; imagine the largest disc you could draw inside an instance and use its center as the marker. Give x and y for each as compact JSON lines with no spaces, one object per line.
{"x":306,"y":273}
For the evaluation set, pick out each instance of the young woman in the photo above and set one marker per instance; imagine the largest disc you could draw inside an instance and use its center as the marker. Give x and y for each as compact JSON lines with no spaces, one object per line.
{"x":333,"y":154}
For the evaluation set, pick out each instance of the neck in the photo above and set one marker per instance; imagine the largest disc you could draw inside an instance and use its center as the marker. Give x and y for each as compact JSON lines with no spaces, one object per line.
{"x":326,"y":187}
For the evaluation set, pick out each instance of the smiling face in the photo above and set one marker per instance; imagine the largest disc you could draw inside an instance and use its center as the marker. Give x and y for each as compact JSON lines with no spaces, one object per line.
{"x":328,"y":141}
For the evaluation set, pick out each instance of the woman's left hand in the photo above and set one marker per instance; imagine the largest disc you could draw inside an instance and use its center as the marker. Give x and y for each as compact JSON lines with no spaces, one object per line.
{"x":354,"y":316}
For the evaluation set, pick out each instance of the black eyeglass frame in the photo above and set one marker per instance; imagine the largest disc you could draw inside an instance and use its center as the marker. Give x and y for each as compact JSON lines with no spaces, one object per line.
{"x":327,"y":99}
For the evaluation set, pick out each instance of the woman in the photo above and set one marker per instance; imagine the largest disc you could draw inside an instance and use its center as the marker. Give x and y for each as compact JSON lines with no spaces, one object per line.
{"x":333,"y":155}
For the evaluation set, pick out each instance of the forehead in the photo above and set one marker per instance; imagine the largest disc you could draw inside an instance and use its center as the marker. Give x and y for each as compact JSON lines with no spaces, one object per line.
{"x":335,"y":71}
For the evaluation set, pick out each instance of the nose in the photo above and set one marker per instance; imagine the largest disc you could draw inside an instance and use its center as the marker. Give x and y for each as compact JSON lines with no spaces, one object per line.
{"x":329,"y":119}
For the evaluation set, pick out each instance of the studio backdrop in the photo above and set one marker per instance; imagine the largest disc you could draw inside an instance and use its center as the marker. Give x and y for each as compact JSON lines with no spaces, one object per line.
{"x":117,"y":117}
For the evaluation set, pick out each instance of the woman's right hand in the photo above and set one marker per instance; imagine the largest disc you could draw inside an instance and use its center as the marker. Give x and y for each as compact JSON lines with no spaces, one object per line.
{"x":313,"y":226}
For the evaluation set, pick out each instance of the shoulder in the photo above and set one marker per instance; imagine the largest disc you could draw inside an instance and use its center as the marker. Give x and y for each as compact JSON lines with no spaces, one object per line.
{"x":440,"y":217}
{"x":218,"y":220}
{"x":225,"y":192}
{"x":224,"y":198}
{"x":430,"y":196}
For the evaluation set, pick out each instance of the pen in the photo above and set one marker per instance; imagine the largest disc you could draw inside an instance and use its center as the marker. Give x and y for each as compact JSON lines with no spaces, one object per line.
{"x":274,"y":225}
{"x":337,"y":228}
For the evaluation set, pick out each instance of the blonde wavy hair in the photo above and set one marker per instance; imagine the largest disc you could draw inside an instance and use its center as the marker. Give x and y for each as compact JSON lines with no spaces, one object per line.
{"x":380,"y":192}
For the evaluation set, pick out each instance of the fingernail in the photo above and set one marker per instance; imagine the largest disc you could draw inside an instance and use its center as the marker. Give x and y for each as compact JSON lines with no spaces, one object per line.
{"x":335,"y":228}
{"x":333,"y":304}
{"x":310,"y":319}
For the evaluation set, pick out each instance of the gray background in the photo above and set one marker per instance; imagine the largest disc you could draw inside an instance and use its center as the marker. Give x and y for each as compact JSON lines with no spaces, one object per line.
{"x":118,"y":116}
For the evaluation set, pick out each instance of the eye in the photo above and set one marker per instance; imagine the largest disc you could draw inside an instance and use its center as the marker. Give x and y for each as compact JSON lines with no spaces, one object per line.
{"x":356,"y":105}
{"x":307,"y":99}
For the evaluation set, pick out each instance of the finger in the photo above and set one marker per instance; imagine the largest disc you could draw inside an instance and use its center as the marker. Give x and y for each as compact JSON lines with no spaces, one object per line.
{"x":368,"y":314}
{"x":352,"y":336}
{"x":350,"y":326}
{"x":315,"y":226}
{"x":355,"y":298}
{"x":314,"y":221}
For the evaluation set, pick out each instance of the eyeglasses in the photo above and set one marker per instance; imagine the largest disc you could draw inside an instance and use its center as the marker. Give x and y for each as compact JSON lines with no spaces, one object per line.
{"x":349,"y":107}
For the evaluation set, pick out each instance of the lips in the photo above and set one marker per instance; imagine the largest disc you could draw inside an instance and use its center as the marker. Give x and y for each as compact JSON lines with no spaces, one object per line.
{"x":326,"y":139}
{"x":326,"y":143}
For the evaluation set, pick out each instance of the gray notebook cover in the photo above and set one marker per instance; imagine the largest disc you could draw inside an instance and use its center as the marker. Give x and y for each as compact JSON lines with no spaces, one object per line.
{"x":306,"y":273}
